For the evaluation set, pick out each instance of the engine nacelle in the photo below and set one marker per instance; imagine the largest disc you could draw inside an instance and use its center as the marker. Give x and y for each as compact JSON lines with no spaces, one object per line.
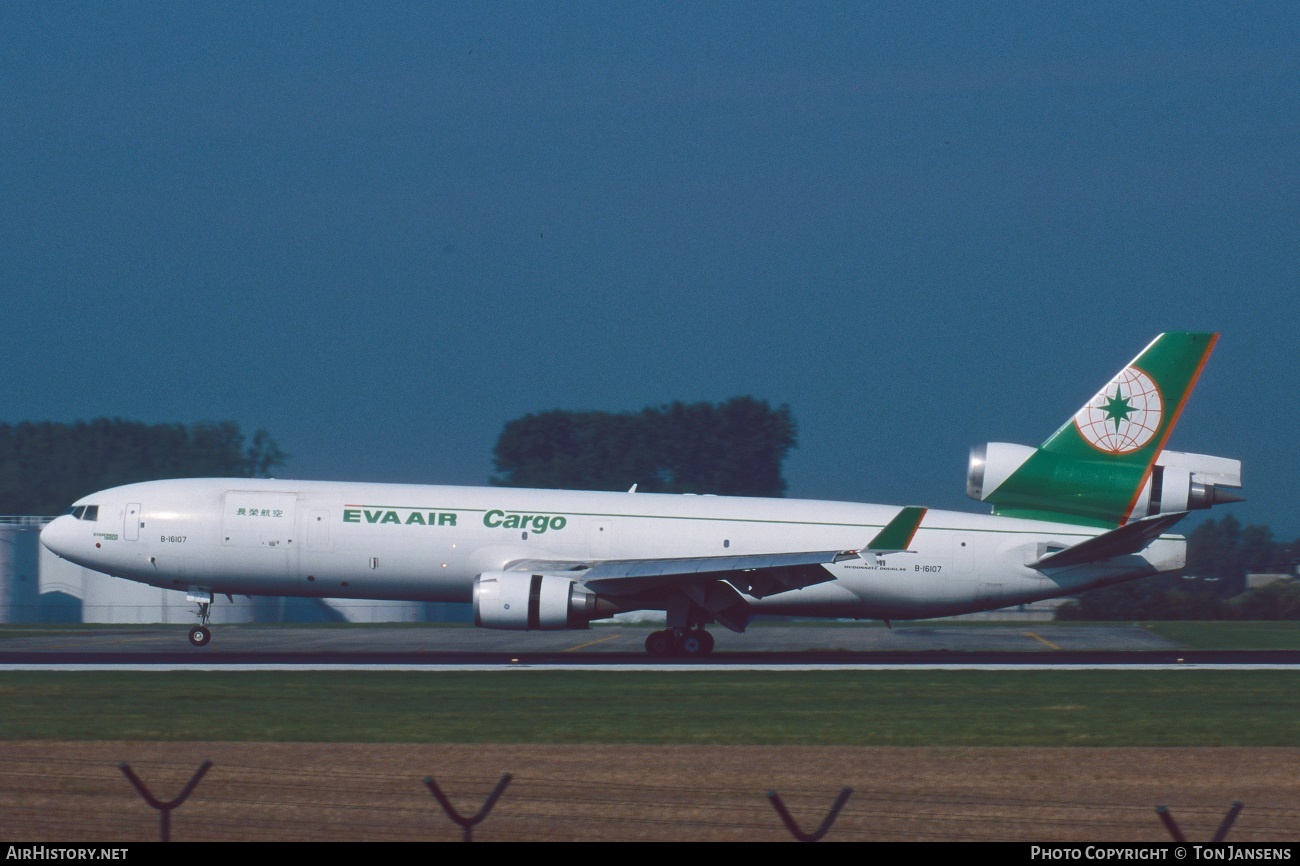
{"x":1184,"y":482}
{"x":530,"y":602}
{"x":991,"y":464}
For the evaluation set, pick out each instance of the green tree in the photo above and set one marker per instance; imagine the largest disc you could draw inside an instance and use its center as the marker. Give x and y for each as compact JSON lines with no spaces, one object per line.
{"x":44,"y":466}
{"x":735,"y":447}
{"x":1279,"y":600}
{"x":1220,"y":553}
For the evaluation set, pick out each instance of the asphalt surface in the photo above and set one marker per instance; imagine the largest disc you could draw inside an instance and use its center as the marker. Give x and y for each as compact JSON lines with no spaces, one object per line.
{"x":765,"y":644}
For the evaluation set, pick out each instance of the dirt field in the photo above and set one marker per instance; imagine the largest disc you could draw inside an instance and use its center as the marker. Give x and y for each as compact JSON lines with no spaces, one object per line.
{"x":74,"y":792}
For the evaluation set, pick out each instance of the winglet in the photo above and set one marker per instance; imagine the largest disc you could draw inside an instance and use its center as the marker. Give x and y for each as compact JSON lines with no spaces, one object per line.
{"x":897,"y":533}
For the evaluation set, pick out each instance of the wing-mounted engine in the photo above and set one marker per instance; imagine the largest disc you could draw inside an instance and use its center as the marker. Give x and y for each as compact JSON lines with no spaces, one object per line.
{"x":521,"y":601}
{"x":1046,"y":484}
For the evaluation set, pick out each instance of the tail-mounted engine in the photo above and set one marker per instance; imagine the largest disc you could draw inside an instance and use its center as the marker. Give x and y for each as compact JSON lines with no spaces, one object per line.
{"x":1178,"y":481}
{"x":530,"y":602}
{"x":1184,"y":482}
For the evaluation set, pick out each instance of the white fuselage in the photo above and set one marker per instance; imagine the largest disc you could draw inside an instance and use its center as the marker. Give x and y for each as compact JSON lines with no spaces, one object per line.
{"x":414,"y":542}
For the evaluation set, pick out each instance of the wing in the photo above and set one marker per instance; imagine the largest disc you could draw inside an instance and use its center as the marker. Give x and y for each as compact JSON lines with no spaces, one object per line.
{"x":719,"y":584}
{"x":716,"y":584}
{"x":758,"y":575}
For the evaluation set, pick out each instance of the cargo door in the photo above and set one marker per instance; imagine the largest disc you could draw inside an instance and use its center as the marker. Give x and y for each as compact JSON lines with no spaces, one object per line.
{"x":318,"y":529}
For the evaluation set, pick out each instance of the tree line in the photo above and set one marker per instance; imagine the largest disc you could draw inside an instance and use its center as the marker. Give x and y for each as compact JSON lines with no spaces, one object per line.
{"x":1220,"y":553}
{"x":733,"y":448}
{"x":46,"y":465}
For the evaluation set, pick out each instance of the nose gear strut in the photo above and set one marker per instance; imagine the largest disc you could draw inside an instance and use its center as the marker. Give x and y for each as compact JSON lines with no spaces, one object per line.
{"x":200,"y":634}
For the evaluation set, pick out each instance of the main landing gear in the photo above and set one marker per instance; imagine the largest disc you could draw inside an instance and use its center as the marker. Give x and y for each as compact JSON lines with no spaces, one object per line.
{"x":686,"y":643}
{"x":199,"y":634}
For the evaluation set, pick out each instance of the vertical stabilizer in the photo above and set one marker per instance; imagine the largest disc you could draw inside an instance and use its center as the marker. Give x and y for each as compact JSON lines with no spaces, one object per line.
{"x":1097,"y":467}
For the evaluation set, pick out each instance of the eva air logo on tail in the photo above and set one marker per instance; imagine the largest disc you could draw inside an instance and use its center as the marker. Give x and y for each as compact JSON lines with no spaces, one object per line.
{"x":1124,"y":415}
{"x":1095,"y":467}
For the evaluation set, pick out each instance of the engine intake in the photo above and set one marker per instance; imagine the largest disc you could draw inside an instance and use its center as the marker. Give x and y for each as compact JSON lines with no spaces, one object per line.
{"x":991,"y":464}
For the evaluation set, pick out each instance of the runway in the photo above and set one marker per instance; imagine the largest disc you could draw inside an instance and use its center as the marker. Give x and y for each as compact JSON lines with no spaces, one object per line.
{"x":778,"y":646}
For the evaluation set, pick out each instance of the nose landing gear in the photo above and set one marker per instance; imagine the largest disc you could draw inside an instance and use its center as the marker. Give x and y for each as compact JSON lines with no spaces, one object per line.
{"x":200,"y":635}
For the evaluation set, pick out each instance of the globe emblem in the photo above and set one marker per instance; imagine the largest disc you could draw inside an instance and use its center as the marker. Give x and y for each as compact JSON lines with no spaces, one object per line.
{"x":1124,"y":415}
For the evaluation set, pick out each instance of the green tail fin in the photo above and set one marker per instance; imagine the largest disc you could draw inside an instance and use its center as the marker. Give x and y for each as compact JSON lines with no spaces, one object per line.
{"x":1094,"y":469}
{"x":1130,"y":418}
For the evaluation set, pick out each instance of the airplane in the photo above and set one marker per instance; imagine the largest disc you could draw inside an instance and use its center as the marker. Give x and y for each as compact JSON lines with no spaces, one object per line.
{"x":1090,"y":507}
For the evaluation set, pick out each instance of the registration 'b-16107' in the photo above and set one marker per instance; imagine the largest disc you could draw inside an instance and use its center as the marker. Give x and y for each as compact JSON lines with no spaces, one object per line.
{"x":1089,"y":507}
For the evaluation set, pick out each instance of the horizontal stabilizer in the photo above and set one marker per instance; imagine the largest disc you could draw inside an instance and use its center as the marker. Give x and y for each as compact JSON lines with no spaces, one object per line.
{"x":897,"y":533}
{"x":1129,"y":538}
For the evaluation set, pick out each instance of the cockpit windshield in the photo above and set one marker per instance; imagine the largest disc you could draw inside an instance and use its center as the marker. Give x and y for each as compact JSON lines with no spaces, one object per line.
{"x":85,"y":512}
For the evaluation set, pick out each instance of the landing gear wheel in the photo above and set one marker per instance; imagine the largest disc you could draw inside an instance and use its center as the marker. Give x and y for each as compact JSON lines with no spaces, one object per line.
{"x":696,"y":644}
{"x":659,"y":643}
{"x":692,"y":646}
{"x":199,"y":634}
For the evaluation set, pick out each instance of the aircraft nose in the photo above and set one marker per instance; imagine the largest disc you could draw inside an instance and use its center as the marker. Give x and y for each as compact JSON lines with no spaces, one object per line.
{"x":57,"y":535}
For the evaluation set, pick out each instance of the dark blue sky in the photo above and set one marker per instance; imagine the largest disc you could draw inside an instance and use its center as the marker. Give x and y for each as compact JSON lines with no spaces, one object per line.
{"x":381,"y":231}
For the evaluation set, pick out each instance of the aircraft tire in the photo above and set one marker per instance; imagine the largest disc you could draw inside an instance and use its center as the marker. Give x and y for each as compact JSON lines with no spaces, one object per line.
{"x":691,"y":645}
{"x":659,"y":644}
{"x":199,"y":636}
{"x":696,"y":644}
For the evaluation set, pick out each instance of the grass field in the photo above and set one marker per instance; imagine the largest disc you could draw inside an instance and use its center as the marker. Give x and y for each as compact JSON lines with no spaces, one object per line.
{"x":1037,"y":756}
{"x":889,"y":708}
{"x":1230,"y":635}
{"x":1202,"y":635}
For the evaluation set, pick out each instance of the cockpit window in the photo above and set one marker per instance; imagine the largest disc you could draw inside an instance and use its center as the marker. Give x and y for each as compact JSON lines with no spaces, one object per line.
{"x":78,"y":511}
{"x":85,"y":512}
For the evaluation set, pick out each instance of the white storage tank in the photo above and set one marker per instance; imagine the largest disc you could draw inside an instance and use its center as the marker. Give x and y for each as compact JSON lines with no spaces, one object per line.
{"x":20,"y":580}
